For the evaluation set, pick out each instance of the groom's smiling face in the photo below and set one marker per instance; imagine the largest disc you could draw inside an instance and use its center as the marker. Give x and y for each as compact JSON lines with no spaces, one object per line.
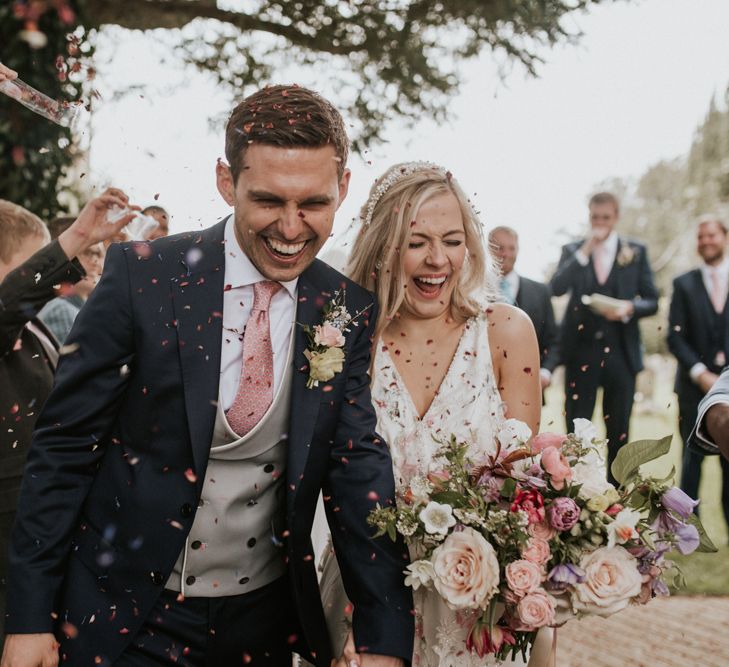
{"x":284,"y":200}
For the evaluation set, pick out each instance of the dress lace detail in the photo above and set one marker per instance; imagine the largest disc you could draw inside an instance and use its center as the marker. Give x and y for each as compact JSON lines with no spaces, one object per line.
{"x":469,"y":406}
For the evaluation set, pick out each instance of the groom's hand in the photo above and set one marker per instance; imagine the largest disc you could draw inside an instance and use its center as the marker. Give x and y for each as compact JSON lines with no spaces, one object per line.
{"x":350,"y":657}
{"x":38,"y":650}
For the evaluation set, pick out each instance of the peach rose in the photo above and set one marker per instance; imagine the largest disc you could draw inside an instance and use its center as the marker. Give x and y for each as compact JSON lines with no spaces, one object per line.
{"x":523,"y":576}
{"x":540,"y":442}
{"x":542,"y":530}
{"x":466,"y":570}
{"x":536,"y":609}
{"x":611,"y":580}
{"x":556,"y":466}
{"x":328,"y":335}
{"x":536,"y":551}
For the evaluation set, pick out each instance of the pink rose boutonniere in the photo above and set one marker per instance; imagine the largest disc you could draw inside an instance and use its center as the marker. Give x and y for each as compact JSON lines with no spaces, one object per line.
{"x":326,"y":340}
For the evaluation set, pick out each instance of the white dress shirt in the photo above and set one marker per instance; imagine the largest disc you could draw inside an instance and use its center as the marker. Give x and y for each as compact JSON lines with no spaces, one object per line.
{"x":722,"y":269}
{"x":608,"y":248}
{"x":240,"y":276}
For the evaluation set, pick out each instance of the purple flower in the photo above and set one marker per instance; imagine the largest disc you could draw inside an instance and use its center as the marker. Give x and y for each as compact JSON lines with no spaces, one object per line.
{"x":563,"y":576}
{"x":563,"y":513}
{"x":685,"y":534}
{"x":676,"y":500}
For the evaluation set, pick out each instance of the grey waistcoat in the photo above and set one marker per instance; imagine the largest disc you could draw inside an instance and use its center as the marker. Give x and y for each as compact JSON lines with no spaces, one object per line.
{"x":234,"y":545}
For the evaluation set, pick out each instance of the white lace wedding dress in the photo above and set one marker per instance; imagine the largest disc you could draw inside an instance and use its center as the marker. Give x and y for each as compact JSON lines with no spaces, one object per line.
{"x":468,"y":405}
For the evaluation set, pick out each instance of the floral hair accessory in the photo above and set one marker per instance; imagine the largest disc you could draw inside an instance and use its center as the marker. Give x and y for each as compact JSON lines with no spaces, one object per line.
{"x":393,"y":176}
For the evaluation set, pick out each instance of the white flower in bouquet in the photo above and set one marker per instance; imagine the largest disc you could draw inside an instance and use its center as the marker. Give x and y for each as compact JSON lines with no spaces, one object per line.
{"x":437,"y":518}
{"x":419,"y":573}
{"x":512,"y":433}
{"x":466,"y":570}
{"x":622,"y":528}
{"x":611,"y":580}
{"x":589,"y":471}
{"x":584,"y":431}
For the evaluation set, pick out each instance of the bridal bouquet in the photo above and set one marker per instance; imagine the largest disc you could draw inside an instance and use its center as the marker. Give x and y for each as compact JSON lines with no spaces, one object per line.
{"x":534,"y":535}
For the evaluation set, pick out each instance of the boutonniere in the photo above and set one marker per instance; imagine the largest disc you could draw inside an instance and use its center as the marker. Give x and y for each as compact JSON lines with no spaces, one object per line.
{"x":326,"y":340}
{"x":626,"y":255}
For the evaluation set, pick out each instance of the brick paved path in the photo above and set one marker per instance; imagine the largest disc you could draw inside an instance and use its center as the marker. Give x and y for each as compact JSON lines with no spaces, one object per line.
{"x":668,"y":632}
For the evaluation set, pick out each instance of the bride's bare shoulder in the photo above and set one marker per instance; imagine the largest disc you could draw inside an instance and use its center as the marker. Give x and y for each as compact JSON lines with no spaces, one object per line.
{"x":507,"y":322}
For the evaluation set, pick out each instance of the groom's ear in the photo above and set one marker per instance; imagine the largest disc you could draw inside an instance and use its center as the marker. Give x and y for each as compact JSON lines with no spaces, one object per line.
{"x":225,"y":183}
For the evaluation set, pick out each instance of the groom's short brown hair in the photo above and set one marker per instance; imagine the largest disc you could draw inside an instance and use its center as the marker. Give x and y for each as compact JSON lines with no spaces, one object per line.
{"x":286,"y":116}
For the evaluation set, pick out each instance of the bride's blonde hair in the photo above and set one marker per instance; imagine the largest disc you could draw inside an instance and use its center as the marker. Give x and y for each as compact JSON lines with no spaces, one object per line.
{"x":387,"y":216}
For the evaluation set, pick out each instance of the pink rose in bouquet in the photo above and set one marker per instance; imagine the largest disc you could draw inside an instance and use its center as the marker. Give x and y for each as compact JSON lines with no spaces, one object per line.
{"x":328,"y":335}
{"x":540,"y":442}
{"x":536,"y":551}
{"x":536,"y":609}
{"x":542,"y":530}
{"x":557,"y":467}
{"x":522,"y":577}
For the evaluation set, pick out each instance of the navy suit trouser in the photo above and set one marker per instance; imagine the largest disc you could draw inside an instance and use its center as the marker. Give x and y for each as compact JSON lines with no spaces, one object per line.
{"x":257,"y":628}
{"x":600,"y":365}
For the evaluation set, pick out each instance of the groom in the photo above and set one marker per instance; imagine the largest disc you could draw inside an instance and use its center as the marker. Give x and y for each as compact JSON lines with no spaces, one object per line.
{"x":170,"y":489}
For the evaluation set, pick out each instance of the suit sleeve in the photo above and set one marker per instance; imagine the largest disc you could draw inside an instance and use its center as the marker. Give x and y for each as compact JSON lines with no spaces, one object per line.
{"x":678,"y":328}
{"x":28,"y":288}
{"x":646,"y":302}
{"x":699,"y":440}
{"x":360,"y":474}
{"x":69,"y":440}
{"x":550,"y":351}
{"x":570,"y":274}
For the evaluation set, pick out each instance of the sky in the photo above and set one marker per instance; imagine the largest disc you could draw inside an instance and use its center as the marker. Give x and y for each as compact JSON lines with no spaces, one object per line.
{"x":529,"y":151}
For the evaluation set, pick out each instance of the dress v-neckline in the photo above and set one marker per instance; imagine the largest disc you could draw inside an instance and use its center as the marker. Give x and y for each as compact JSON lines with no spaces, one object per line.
{"x":406,"y":391}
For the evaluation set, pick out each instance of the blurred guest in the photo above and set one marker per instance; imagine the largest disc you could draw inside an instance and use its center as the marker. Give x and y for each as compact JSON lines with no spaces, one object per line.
{"x":163,"y":220}
{"x":531,"y":296}
{"x":600,"y":342}
{"x":698,"y":336}
{"x":30,"y":266}
{"x":59,"y":225}
{"x":711,"y":433}
{"x":59,"y":314}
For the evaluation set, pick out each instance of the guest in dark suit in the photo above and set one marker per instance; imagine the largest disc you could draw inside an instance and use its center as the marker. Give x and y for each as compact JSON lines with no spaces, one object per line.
{"x":531,"y":296}
{"x":30,"y":266}
{"x":600,"y":345}
{"x":698,"y":336}
{"x":173,"y":476}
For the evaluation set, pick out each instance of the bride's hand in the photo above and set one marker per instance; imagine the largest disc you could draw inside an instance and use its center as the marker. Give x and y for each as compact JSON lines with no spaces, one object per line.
{"x":349,"y":657}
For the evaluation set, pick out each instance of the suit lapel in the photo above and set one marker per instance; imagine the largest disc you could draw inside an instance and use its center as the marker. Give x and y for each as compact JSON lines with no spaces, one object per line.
{"x":312,"y":296}
{"x":197,"y":296}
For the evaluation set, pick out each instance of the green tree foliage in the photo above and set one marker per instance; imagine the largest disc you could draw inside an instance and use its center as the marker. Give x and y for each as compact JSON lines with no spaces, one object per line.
{"x":378,"y":60}
{"x":43,"y":41}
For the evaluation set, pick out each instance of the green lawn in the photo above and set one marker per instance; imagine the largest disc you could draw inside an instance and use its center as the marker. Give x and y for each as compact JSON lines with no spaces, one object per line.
{"x":705,"y":573}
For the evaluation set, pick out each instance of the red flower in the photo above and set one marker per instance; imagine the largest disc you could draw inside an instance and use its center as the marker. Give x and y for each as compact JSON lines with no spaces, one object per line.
{"x":482,"y":642}
{"x":531,"y":502}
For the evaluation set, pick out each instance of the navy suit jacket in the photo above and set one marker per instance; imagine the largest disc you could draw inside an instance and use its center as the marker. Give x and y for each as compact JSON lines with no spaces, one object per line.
{"x":634,"y":282}
{"x":535,"y":300}
{"x":108,"y":499}
{"x":690,"y":335}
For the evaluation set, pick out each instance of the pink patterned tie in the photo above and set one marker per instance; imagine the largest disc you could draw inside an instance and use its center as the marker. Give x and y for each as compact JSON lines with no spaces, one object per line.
{"x":718,"y":293}
{"x":255,"y":389}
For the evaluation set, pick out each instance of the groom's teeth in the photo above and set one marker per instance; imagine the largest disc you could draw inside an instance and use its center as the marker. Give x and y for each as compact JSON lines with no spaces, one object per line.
{"x":433,"y":281}
{"x":286,"y":248}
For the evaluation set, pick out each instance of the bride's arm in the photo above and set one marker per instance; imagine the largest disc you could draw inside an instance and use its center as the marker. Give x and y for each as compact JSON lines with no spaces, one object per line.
{"x":515,"y":355}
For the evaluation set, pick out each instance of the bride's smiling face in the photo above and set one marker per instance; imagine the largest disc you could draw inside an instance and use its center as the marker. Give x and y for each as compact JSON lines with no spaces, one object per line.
{"x":434,"y":258}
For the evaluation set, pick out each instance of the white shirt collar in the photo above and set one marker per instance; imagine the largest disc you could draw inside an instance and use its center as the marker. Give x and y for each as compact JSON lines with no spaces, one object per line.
{"x":239,"y":270}
{"x":610,"y":244}
{"x":722,"y":268}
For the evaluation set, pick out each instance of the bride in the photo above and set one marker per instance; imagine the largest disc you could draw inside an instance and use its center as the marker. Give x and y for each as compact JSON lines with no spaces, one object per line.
{"x":443,"y":363}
